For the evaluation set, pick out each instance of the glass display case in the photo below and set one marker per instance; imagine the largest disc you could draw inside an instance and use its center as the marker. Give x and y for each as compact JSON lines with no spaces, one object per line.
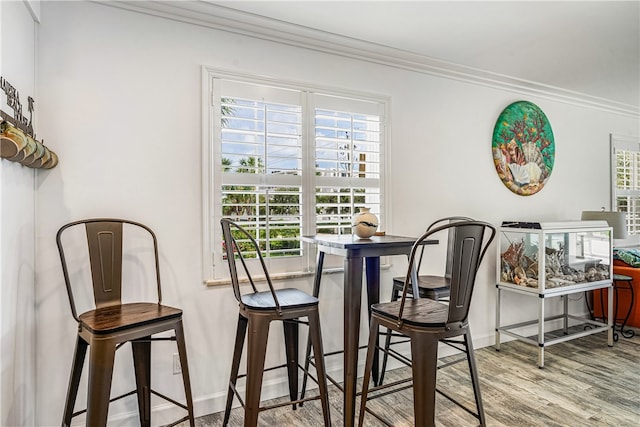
{"x":553,"y":259}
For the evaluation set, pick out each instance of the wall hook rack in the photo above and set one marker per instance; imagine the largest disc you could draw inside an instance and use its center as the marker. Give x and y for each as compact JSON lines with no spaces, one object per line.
{"x":18,"y":142}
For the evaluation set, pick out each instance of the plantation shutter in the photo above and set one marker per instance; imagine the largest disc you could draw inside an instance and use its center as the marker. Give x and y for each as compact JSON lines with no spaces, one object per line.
{"x":626,"y":180}
{"x":347,"y":160}
{"x":287,"y":161}
{"x":261,"y":161}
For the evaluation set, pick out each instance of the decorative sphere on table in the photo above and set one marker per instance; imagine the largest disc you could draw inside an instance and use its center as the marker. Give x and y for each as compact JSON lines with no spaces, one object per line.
{"x":364,"y":223}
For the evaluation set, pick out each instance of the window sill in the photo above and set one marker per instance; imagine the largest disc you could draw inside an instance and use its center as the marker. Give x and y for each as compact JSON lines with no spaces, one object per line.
{"x":282,"y":276}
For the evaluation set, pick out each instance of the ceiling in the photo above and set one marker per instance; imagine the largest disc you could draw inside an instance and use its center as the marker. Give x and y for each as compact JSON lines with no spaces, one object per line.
{"x":590,"y":48}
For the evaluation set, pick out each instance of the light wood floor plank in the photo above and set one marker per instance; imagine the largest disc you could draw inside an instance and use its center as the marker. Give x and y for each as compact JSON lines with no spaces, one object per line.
{"x":584,"y":383}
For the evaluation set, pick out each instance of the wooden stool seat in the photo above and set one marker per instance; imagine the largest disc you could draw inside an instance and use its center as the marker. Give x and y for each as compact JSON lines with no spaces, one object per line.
{"x":112,"y":319}
{"x":429,"y":286}
{"x":417,"y":312}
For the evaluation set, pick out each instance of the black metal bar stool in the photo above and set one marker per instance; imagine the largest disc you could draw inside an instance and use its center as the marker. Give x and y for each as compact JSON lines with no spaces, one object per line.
{"x":113,"y":322}
{"x":429,"y":286}
{"x":427,"y":322}
{"x":257,"y":311}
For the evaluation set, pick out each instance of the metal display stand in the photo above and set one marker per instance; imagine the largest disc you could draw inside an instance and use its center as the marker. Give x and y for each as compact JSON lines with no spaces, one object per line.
{"x":543,"y":341}
{"x":558,"y":251}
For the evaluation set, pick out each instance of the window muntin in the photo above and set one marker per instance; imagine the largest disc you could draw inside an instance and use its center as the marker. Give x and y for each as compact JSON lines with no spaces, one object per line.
{"x":259,"y":137}
{"x":270,"y":214}
{"x":290,"y":161}
{"x":335,"y":206}
{"x":347,"y":144}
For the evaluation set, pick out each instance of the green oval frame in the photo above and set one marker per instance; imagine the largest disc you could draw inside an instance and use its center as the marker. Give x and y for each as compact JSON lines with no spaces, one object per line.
{"x":523,"y":148}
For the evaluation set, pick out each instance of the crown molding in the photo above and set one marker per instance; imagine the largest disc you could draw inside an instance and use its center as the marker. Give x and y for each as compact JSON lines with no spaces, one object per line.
{"x":33,"y":6}
{"x":206,"y":14}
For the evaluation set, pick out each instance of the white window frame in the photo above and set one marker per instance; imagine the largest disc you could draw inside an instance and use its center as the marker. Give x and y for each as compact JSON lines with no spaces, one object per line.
{"x":215,"y":270}
{"x":631,"y":144}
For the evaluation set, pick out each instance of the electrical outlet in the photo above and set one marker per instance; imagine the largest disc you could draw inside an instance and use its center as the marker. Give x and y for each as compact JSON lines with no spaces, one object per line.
{"x":177,"y":368}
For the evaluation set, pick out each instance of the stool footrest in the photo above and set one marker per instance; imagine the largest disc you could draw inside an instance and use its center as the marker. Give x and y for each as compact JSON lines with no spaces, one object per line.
{"x":110,"y":401}
{"x":132,"y":392}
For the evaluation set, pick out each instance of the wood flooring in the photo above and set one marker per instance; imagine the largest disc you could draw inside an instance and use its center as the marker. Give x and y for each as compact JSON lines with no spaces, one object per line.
{"x":584,"y":383}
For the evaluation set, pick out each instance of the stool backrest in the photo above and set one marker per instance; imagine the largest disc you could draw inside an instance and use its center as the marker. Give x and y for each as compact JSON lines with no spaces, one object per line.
{"x":450,"y":240}
{"x":468,"y":249}
{"x":239,"y":244}
{"x":104,"y":239}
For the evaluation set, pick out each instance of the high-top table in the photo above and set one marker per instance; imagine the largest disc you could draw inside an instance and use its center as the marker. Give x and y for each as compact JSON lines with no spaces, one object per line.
{"x":355,"y":251}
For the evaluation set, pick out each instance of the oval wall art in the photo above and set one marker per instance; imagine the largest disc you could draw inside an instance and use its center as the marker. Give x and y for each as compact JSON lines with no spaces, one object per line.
{"x":523,"y":148}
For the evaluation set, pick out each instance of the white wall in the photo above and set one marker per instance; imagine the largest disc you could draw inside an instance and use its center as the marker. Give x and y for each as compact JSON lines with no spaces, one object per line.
{"x":120,"y":102}
{"x":17,"y":231}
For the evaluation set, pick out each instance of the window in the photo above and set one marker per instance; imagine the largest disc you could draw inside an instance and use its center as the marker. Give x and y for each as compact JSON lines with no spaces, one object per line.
{"x":285,"y":161}
{"x":625,"y":155}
